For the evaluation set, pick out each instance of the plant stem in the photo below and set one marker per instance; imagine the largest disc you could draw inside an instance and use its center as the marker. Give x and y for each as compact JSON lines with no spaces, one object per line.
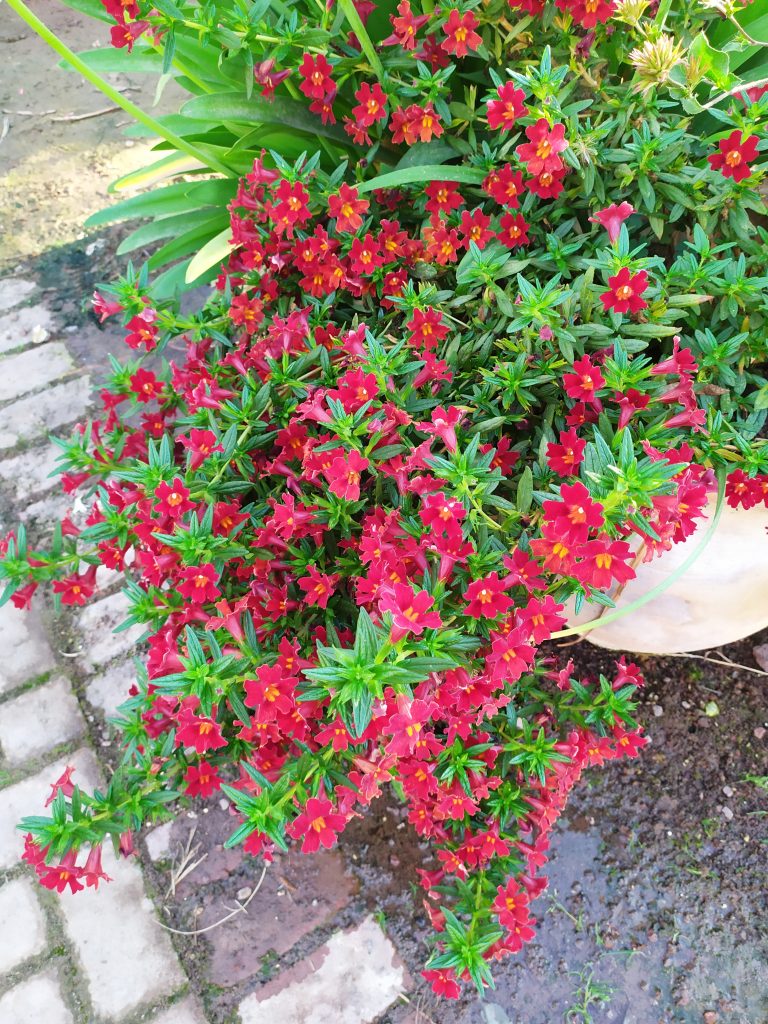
{"x":724,"y":95}
{"x":356,"y":24}
{"x":123,"y":102}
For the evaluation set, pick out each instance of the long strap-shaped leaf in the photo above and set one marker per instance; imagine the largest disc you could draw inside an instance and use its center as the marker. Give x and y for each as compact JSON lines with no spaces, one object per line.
{"x":94,"y":78}
{"x":659,"y":589}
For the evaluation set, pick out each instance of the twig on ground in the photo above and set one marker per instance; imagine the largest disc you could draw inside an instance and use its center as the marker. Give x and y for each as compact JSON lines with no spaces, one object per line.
{"x":724,"y":661}
{"x":239,"y":909}
{"x":186,"y":865}
{"x":84,"y":117}
{"x":5,"y":129}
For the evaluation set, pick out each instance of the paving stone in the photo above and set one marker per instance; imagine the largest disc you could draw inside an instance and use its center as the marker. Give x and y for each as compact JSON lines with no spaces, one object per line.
{"x":108,"y":689}
{"x":29,"y":473}
{"x":26,"y":652}
{"x":27,"y":797}
{"x":298,"y":895}
{"x":37,"y":999}
{"x":158,"y":841}
{"x":127,"y":959}
{"x":185,"y":1012}
{"x":22,"y":918}
{"x":33,"y":370}
{"x":15,"y":290}
{"x":39,"y":720}
{"x":36,"y":415}
{"x":29,"y":325}
{"x":97,"y":624}
{"x":350,"y":980}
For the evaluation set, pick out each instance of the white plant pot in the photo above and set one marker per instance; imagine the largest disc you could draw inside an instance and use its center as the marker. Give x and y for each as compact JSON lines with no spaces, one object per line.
{"x":721,"y":598}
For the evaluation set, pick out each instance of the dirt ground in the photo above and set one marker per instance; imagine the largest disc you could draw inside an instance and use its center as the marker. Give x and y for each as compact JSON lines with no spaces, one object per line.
{"x":656,"y":910}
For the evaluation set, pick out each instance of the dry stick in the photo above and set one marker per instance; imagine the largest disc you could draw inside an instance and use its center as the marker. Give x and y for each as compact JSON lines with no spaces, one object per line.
{"x":240,"y":909}
{"x":84,"y":117}
{"x":724,"y":661}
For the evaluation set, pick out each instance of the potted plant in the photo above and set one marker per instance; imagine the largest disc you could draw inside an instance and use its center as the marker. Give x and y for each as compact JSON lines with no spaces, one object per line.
{"x":486,"y":311}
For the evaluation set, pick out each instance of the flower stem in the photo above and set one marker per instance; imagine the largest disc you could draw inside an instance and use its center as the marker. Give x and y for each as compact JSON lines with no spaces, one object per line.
{"x":118,"y":98}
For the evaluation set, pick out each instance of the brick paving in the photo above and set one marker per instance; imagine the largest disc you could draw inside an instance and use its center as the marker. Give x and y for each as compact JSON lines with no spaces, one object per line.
{"x":102,"y":957}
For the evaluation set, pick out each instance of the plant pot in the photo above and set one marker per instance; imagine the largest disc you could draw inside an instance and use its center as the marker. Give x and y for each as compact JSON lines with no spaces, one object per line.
{"x":721,"y":598}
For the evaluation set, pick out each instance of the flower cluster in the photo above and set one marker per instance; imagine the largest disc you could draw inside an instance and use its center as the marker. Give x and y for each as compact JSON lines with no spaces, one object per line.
{"x":427,"y":408}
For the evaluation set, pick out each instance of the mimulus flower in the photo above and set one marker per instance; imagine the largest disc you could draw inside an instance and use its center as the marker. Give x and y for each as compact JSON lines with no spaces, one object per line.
{"x":612,"y":217}
{"x":733,"y":159}
{"x":541,"y":153}
{"x":625,"y":291}
{"x":409,"y":610}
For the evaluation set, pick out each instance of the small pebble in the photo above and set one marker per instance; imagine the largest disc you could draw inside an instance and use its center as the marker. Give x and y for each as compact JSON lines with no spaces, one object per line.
{"x":658,"y":710}
{"x":686,"y":704}
{"x":710,"y":1017}
{"x":727,"y":790}
{"x":728,"y":814}
{"x":244,"y":893}
{"x":759,"y":732}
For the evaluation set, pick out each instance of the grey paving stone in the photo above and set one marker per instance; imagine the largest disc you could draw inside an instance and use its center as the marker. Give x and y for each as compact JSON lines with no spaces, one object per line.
{"x":15,"y":290}
{"x":29,"y":796}
{"x":36,"y":415}
{"x":22,"y":924}
{"x":108,"y":689}
{"x":29,"y":473}
{"x":185,"y":1012}
{"x":33,"y":370}
{"x":351,"y":980}
{"x":29,"y":325}
{"x":97,"y":623}
{"x":127,"y":959}
{"x":39,"y":720}
{"x":25,"y":647}
{"x":33,"y":1001}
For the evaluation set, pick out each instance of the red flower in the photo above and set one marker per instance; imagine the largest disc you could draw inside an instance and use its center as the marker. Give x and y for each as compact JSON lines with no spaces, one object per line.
{"x":460,"y":32}
{"x":348,"y":209}
{"x":126,"y":35}
{"x":603,"y":562}
{"x":76,"y":589}
{"x":475,"y":228}
{"x":565,"y":458}
{"x":146,"y":386}
{"x":427,"y":328}
{"x":505,"y":186}
{"x":586,"y":380}
{"x":443,"y":425}
{"x":443,"y":196}
{"x":247,"y":311}
{"x":547,"y":184}
{"x":316,"y":77}
{"x":625,"y":291}
{"x":588,"y":13}
{"x":292,"y":208}
{"x":105,"y":308}
{"x":318,"y":586}
{"x":371,"y":105}
{"x":514,"y":230}
{"x":200,"y":444}
{"x":443,"y":982}
{"x":541,"y":153}
{"x":202,"y":779}
{"x":415,"y":124}
{"x":319,"y":823}
{"x":172,"y":499}
{"x":406,"y":26}
{"x":440,"y":512}
{"x":575,"y":514}
{"x":344,"y":475}
{"x":142,"y":329}
{"x":59,"y":876}
{"x":733,"y":159}
{"x":198,"y":731}
{"x":612,"y":217}
{"x":365,"y":255}
{"x":504,"y":111}
{"x":198,"y":583}
{"x":486,"y":597}
{"x":410,"y":611}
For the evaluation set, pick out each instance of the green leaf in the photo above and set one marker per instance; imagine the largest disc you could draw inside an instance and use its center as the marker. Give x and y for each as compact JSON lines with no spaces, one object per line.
{"x":108,"y":59}
{"x":282,"y":111}
{"x":214,"y":252}
{"x":435,"y":152}
{"x":424,"y":173}
{"x":169,"y":199}
{"x":524,"y":495}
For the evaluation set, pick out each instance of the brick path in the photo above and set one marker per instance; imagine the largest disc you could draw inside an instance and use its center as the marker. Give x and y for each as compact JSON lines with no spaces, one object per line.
{"x":101,"y":957}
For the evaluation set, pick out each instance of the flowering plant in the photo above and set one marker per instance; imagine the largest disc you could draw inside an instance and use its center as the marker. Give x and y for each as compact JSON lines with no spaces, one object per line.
{"x":507,"y":320}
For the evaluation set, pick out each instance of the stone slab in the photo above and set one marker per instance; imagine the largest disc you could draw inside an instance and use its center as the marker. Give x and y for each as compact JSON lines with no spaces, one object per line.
{"x":39,"y":720}
{"x":108,"y":689}
{"x":98,"y":622}
{"x":22,"y":924}
{"x":185,"y":1012}
{"x":29,"y":325}
{"x":26,"y":651}
{"x":29,"y":473}
{"x":14,"y":291}
{"x":33,"y":370}
{"x":28,"y":797}
{"x":36,"y":415}
{"x":350,"y":980}
{"x":127,"y":959}
{"x":35,"y":1000}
